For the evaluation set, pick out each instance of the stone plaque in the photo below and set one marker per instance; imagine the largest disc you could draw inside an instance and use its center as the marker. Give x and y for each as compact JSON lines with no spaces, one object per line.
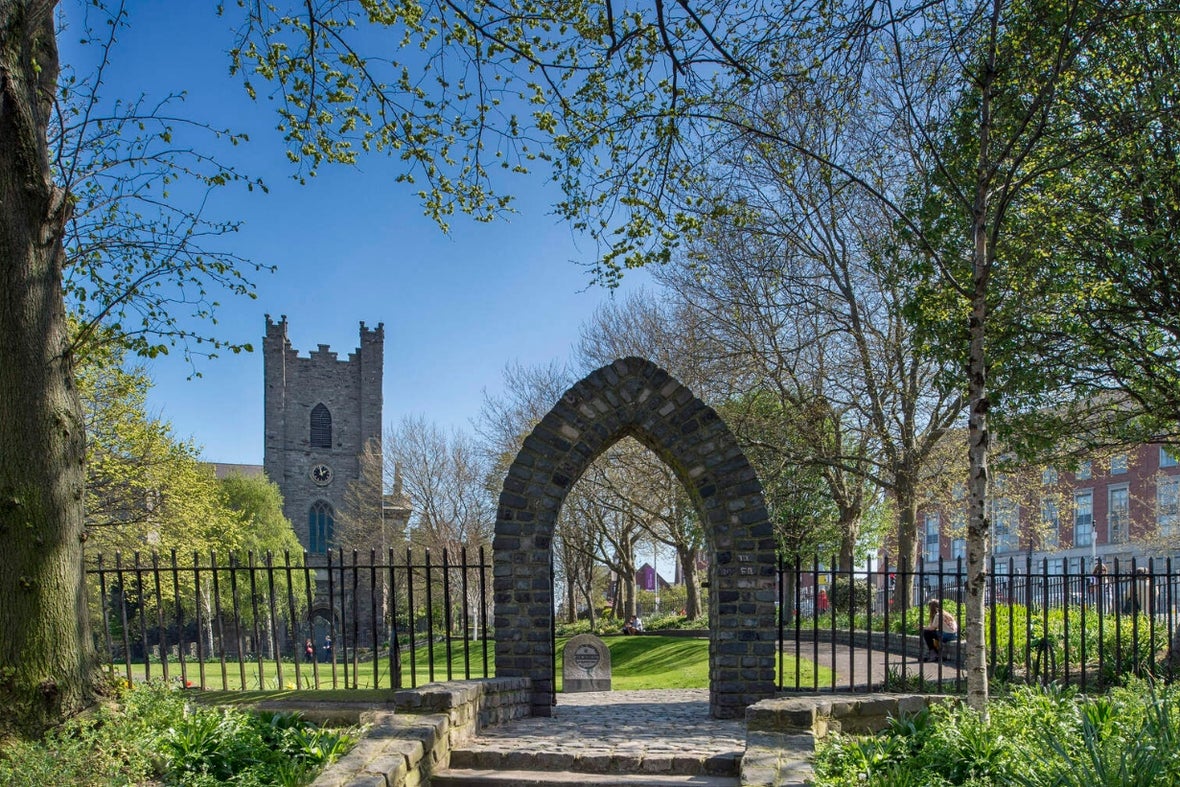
{"x":586,"y":664}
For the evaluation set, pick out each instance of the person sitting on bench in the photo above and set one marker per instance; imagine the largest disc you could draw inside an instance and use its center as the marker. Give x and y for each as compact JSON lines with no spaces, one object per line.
{"x":634,"y":625}
{"x":941,"y":628}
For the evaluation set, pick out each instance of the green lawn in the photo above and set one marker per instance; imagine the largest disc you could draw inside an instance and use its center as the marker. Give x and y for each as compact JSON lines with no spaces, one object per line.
{"x":647,"y":662}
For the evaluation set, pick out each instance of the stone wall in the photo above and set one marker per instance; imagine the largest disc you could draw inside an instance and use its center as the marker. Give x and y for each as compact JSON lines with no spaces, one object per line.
{"x":781,"y":733}
{"x":413,"y":734}
{"x":634,"y":398}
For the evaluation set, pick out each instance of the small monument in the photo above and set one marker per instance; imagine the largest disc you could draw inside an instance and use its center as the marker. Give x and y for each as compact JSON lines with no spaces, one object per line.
{"x":587,"y":664}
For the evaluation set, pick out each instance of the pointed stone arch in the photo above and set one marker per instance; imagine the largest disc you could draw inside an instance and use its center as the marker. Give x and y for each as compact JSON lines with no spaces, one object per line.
{"x":634,"y":397}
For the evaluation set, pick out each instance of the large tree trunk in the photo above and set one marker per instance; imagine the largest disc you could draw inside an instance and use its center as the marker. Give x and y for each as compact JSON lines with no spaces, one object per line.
{"x":978,"y":445}
{"x":907,"y":544}
{"x":45,"y":656}
{"x":849,"y":534}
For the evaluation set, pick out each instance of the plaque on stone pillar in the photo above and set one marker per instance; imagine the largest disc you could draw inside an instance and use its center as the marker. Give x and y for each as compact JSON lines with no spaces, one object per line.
{"x":587,"y":664}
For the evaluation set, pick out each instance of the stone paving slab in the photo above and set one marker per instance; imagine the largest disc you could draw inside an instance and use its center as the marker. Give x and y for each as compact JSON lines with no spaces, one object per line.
{"x":617,"y":732}
{"x":481,"y":778}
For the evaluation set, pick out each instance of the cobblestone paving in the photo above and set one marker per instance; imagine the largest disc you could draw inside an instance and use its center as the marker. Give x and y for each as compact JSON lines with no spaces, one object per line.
{"x":652,"y":729}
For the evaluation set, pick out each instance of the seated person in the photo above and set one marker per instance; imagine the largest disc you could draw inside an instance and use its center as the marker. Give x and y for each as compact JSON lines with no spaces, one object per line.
{"x":941,"y":628}
{"x":634,"y":625}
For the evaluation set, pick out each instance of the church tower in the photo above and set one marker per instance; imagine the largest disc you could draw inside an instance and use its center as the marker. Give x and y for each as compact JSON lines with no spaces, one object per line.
{"x":320,"y":413}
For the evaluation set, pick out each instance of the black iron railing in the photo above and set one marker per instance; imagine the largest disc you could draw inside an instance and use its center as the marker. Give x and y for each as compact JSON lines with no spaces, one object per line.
{"x":353,"y":620}
{"x":340,"y":620}
{"x":1089,"y":627}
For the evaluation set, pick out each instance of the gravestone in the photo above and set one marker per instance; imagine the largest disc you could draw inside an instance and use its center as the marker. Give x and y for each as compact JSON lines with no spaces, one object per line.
{"x":587,"y":664}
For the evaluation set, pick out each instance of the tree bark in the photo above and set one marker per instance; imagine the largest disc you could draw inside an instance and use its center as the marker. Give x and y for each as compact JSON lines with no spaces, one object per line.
{"x":45,"y":656}
{"x":907,"y":544}
{"x":692,"y":585}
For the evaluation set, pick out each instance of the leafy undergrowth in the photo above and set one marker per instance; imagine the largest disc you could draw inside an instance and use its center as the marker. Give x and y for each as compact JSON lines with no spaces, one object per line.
{"x":153,"y":734}
{"x":1034,"y":737}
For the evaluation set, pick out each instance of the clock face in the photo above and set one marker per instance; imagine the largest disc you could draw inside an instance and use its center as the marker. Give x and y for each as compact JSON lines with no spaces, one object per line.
{"x":321,"y":474}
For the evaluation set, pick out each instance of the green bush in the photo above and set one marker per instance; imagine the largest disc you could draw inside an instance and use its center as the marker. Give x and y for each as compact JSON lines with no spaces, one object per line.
{"x":1033,"y":737}
{"x":861,"y":593}
{"x":155,"y":734}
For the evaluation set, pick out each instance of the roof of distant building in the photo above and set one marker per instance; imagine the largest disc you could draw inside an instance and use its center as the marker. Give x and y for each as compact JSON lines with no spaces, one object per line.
{"x":226,"y":469}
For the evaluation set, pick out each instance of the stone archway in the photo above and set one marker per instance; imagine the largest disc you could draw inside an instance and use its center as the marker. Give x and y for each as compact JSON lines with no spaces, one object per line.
{"x":633,"y":397}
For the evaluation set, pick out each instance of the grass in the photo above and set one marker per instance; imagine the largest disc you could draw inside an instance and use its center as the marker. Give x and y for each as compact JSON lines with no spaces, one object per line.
{"x":653,"y":662}
{"x":650,"y":661}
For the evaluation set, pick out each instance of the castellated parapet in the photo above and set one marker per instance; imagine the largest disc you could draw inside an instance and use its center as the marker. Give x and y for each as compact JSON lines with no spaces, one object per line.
{"x":320,"y":412}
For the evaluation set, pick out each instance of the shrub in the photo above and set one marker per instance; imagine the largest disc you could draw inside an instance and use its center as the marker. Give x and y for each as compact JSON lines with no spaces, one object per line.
{"x":154,"y":734}
{"x":1033,"y":737}
{"x":860,"y":592}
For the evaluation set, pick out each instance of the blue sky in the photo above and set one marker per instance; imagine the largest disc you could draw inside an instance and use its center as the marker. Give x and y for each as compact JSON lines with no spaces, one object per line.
{"x":350,"y":246}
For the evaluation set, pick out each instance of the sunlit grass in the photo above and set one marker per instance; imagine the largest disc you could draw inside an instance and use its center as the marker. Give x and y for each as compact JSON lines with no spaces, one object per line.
{"x":650,"y":661}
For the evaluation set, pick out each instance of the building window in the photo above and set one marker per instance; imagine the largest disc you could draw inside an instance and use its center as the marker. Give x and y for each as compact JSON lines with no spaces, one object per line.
{"x":1056,"y":566}
{"x":1050,"y":524}
{"x":1005,"y":521}
{"x":321,"y":526}
{"x":959,"y":549}
{"x":1083,"y":518}
{"x":321,"y":427}
{"x":1167,"y":506}
{"x":933,"y":550}
{"x":1049,"y":476}
{"x":1084,"y":471}
{"x":1118,"y":464}
{"x":1167,"y":458}
{"x":1118,"y":511}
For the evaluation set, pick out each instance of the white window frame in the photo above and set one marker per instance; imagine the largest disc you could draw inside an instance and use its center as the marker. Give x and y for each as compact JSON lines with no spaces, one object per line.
{"x":1049,"y":476}
{"x":1083,"y":518}
{"x":932,"y":530}
{"x":1167,"y":506}
{"x":959,"y":549}
{"x":1050,"y":523}
{"x":1167,"y":458}
{"x":1006,"y":526}
{"x":1085,"y":470}
{"x":1118,"y":522}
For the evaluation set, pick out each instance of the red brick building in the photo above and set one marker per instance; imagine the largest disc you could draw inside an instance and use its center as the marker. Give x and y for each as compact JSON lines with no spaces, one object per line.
{"x":1122,"y":504}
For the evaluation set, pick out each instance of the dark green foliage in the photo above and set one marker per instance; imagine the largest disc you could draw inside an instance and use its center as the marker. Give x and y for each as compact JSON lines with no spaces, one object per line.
{"x":1034,"y":737}
{"x":157,"y":733}
{"x":860,"y":592}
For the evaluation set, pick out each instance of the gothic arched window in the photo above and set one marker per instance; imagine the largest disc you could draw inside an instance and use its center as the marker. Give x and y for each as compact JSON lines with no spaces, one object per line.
{"x":321,"y":427}
{"x":321,"y":526}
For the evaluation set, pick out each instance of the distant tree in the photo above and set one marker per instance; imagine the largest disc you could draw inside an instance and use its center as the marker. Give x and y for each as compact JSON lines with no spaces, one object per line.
{"x":147,"y":490}
{"x":1112,"y":220}
{"x":365,"y":522}
{"x":267,"y":539}
{"x":801,"y":288}
{"x":260,"y":503}
{"x":444,"y":478}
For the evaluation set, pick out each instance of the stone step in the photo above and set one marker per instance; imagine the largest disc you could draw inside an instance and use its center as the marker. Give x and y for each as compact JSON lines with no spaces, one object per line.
{"x":586,"y":762}
{"x":483,"y":777}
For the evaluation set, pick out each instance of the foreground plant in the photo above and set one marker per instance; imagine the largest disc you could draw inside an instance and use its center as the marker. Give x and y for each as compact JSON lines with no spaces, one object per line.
{"x":153,"y":732}
{"x":1034,"y":737}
